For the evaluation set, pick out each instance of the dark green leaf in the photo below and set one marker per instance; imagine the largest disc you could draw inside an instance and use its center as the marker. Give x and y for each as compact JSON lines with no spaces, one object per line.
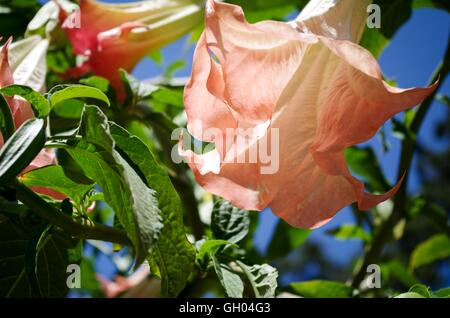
{"x":363,"y":162}
{"x":6,"y":120}
{"x":21,"y":149}
{"x":172,"y":252}
{"x":54,"y":254}
{"x":228,"y":222}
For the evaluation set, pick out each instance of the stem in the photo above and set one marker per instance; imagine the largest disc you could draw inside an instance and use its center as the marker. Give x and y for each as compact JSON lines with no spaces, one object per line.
{"x":385,"y":233}
{"x":80,"y":228}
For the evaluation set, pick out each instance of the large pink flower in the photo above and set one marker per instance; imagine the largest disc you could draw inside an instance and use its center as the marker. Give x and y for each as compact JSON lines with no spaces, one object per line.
{"x":113,"y":36}
{"x":304,"y":87}
{"x":26,"y":67}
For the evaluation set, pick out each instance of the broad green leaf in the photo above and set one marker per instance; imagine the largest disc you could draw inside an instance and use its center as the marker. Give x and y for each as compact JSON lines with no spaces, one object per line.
{"x":263,"y":279}
{"x":133,"y":202}
{"x":285,"y":239}
{"x":77,"y":91}
{"x":231,"y":282}
{"x":6,"y":120}
{"x":70,"y":108}
{"x":433,"y":249}
{"x":363,"y":162}
{"x":173,"y":253}
{"x":321,"y":289}
{"x":350,"y":232}
{"x":39,"y":104}
{"x":56,"y":252}
{"x":228,"y":222}
{"x":23,"y":146}
{"x":55,"y":178}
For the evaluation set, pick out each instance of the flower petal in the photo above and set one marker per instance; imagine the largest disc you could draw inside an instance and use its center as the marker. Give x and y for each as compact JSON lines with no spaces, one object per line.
{"x":265,"y":54}
{"x":337,"y":19}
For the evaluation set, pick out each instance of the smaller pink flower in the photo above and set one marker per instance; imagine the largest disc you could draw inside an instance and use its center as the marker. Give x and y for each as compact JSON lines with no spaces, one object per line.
{"x":114,"y":36}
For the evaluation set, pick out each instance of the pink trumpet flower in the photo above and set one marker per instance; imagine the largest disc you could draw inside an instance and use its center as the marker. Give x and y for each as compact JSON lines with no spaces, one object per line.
{"x":306,"y":88}
{"x":26,"y":66}
{"x":114,"y":36}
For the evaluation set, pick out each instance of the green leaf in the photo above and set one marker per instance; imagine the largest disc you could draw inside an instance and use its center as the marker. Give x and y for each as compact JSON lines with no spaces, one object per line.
{"x":350,"y":232}
{"x":228,"y":222}
{"x":77,"y":91}
{"x":97,"y":82}
{"x":208,"y":249}
{"x":55,"y":178}
{"x":433,"y":249}
{"x":70,"y":108}
{"x":172,"y":68}
{"x":321,"y":289}
{"x":410,"y":295}
{"x":133,"y":202}
{"x":421,"y":289}
{"x":263,"y":279}
{"x":23,"y":146}
{"x":286,"y":239}
{"x":173,"y":253}
{"x":55,"y":253}
{"x":156,"y":56}
{"x":395,"y":269}
{"x":39,"y":104}
{"x":363,"y":162}
{"x":442,"y":293}
{"x":231,"y":282}
{"x":168,"y":96}
{"x":135,"y":89}
{"x":6,"y":120}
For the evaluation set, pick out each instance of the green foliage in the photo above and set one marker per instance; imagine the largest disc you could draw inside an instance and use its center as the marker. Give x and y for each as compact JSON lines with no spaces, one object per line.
{"x":63,"y":93}
{"x":33,"y":262}
{"x":350,"y":232}
{"x":433,"y":249}
{"x":55,"y":178}
{"x":321,"y":289}
{"x":229,"y":279}
{"x":172,"y":253}
{"x":286,"y":239}
{"x":133,"y":202}
{"x":228,"y":222}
